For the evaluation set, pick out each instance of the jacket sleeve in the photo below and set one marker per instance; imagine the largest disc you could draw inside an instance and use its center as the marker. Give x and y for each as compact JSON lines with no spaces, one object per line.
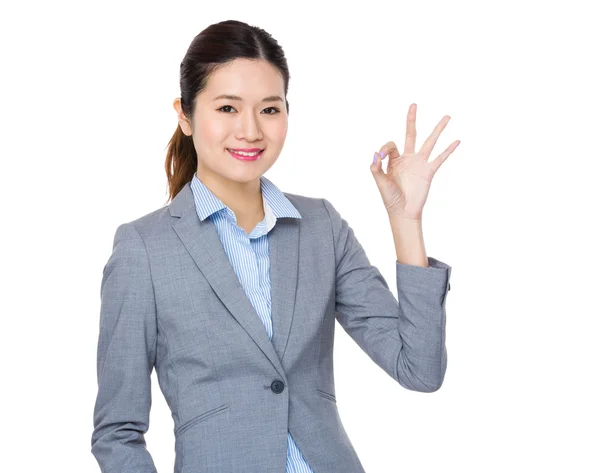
{"x":404,"y":336}
{"x":126,"y":357}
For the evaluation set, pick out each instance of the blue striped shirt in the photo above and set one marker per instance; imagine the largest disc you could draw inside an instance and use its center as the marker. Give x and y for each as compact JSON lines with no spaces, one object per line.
{"x":249,"y":256}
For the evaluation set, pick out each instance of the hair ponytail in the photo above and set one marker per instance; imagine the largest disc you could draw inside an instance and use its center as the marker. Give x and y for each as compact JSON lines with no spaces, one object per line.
{"x":181,"y":162}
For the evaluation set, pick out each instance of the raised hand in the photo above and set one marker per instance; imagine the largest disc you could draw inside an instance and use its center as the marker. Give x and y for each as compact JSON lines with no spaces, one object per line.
{"x":405,"y":185}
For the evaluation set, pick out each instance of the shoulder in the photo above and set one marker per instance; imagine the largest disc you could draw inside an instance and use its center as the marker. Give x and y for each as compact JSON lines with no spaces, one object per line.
{"x":146,"y":225}
{"x":317,"y":207}
{"x":310,"y":204}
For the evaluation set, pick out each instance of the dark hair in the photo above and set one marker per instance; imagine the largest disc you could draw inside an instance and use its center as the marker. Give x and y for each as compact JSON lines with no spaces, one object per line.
{"x":214,"y":47}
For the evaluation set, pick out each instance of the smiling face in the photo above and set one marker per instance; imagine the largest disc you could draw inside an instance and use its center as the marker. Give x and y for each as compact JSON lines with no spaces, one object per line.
{"x":224,"y":123}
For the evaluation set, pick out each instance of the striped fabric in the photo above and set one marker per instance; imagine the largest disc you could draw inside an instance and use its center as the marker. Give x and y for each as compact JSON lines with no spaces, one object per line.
{"x":249,"y":256}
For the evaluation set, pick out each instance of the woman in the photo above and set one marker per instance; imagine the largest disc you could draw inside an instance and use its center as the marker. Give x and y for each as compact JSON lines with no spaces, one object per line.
{"x":232,"y":290}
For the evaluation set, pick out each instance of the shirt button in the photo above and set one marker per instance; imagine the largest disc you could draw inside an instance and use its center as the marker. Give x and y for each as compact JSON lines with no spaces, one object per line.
{"x":277,"y":386}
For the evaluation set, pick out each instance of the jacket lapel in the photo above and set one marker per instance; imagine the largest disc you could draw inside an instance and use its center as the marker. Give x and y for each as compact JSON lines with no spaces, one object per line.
{"x":202,"y":242}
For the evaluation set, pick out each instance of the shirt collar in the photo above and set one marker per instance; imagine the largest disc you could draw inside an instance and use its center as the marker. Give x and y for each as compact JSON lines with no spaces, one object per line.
{"x":275,"y":203}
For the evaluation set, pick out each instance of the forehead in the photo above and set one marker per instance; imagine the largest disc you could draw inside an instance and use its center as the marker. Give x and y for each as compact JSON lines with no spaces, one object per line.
{"x":250,"y":79}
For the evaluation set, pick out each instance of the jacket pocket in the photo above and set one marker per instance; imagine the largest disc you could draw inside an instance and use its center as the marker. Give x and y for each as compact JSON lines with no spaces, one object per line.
{"x":331,"y":397}
{"x":190,"y":423}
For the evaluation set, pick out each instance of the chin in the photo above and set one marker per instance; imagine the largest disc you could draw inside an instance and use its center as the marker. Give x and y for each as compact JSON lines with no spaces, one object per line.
{"x":244,"y":175}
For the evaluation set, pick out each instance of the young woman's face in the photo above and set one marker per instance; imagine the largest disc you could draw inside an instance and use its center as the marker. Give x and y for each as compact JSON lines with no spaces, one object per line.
{"x":220,"y":124}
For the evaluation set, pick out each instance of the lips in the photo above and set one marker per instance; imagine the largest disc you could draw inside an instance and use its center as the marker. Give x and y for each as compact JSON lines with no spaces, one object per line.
{"x":246,"y":158}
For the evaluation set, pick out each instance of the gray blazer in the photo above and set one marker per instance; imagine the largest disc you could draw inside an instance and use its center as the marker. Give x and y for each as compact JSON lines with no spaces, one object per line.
{"x":171,"y":300}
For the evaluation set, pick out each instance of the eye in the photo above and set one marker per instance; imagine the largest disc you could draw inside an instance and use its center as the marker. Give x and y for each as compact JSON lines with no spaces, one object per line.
{"x":276,"y":110}
{"x":224,"y":106}
{"x":273,"y":108}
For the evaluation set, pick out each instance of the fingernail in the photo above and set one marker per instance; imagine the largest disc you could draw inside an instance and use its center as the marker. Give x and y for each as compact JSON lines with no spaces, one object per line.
{"x":382,"y":154}
{"x":375,"y":157}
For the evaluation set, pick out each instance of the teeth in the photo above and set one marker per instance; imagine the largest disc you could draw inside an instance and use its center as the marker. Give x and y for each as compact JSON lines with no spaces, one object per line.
{"x":245,"y":154}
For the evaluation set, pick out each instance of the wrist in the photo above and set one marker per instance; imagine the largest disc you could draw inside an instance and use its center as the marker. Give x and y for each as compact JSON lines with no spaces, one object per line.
{"x":408,"y":240}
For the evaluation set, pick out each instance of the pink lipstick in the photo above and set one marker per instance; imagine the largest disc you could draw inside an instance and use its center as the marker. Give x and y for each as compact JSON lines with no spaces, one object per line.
{"x":249,"y":157}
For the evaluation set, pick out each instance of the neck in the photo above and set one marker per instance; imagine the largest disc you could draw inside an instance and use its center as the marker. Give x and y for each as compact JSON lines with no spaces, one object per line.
{"x":243,"y":198}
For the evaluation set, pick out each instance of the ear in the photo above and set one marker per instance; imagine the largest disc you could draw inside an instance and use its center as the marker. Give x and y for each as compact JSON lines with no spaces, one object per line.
{"x":184,"y":123}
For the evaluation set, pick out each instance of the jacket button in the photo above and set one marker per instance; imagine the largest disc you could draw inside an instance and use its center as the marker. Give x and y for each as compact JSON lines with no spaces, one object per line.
{"x":277,"y":386}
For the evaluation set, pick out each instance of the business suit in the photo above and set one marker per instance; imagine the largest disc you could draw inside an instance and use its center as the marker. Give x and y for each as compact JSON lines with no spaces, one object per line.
{"x":171,"y":300}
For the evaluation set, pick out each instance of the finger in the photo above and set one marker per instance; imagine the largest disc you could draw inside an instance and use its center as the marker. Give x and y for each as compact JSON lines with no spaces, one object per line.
{"x":411,"y":129}
{"x":377,"y":170}
{"x":427,"y":147}
{"x":389,"y":149}
{"x":437,"y":162}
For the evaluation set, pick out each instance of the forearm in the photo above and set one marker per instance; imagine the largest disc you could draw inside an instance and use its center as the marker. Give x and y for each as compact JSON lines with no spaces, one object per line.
{"x":408,"y":240}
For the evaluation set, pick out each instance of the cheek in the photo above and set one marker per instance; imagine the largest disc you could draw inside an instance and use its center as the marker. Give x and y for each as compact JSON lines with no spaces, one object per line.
{"x":212,"y":130}
{"x":278,"y":131}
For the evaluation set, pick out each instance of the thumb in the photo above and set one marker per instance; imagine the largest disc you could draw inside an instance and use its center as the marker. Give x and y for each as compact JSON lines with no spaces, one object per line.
{"x":377,"y":168}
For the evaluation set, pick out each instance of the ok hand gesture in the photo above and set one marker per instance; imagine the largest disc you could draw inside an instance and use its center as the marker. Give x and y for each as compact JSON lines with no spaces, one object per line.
{"x":405,"y":186}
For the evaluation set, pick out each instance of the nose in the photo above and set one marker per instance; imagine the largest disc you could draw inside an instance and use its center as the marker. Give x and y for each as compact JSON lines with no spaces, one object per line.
{"x":249,"y":127}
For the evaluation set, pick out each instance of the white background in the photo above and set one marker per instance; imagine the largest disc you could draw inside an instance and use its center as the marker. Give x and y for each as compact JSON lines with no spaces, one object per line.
{"x":87,"y":92}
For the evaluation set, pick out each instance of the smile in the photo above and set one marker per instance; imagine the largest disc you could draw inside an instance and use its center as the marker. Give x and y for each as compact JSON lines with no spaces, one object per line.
{"x":246,"y":156}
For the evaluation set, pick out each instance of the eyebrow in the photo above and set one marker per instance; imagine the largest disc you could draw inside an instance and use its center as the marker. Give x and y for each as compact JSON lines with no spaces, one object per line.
{"x":272,"y":98}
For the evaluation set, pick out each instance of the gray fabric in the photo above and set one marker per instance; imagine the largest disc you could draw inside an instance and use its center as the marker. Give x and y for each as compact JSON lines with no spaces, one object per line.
{"x":170,"y":300}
